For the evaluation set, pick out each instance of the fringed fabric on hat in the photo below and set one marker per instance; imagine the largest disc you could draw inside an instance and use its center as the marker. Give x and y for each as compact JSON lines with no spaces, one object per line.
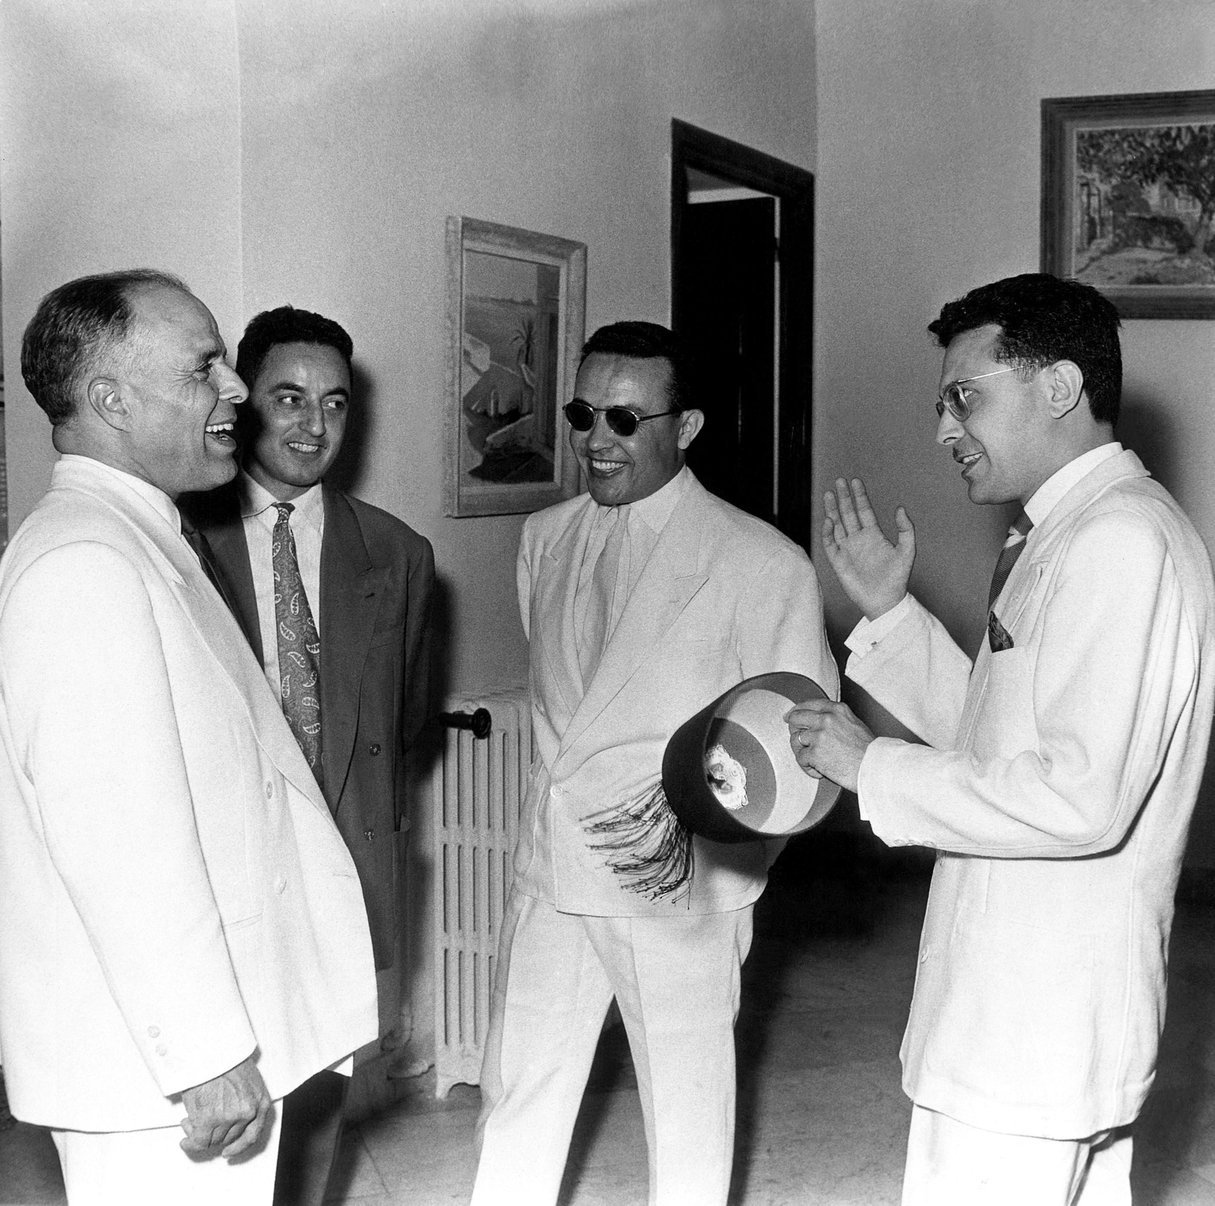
{"x":646,"y":844}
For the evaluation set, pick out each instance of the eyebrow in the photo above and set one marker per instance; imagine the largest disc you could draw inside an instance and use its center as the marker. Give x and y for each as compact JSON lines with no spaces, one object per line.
{"x":296,"y":388}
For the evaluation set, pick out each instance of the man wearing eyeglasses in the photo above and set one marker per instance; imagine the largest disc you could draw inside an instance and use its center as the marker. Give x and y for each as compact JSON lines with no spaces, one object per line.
{"x":643,"y":600}
{"x":1061,"y":768}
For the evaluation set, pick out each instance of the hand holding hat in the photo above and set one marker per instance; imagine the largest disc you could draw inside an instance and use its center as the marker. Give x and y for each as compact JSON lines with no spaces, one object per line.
{"x":828,"y":740}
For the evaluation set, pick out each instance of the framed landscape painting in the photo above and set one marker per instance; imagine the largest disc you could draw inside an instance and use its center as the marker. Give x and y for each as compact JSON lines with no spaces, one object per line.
{"x":516,"y":316}
{"x":1128,"y":197}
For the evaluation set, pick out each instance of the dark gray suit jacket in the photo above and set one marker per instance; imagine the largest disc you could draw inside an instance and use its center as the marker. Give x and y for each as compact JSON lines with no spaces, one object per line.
{"x":377,"y":578}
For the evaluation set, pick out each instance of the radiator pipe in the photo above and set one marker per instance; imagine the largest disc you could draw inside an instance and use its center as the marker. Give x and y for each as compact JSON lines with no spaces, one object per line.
{"x":480,"y":721}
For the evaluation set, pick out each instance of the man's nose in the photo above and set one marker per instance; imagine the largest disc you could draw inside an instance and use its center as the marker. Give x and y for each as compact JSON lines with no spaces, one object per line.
{"x":949,"y":430}
{"x":231,"y":387}
{"x":314,"y":419}
{"x":600,"y":433}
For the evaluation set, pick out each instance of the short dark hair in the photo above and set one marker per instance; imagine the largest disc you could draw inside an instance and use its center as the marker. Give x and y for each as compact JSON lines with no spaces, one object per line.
{"x":286,"y":324}
{"x":1043,"y":319}
{"x":648,"y":341}
{"x":74,"y":327}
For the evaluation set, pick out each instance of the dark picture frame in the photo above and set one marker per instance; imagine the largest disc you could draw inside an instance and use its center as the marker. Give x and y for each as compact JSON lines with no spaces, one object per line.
{"x":1128,"y":199}
{"x":516,"y":313}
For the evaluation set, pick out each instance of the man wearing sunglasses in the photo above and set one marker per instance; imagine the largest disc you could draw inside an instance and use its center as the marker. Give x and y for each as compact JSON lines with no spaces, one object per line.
{"x":1061,"y":768}
{"x":643,"y":601}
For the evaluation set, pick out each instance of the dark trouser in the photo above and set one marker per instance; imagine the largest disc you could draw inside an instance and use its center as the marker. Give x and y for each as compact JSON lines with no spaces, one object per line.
{"x":311,"y":1128}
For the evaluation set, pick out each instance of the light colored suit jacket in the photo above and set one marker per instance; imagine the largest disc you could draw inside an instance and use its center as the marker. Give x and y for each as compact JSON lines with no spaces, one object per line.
{"x":722,"y":597}
{"x":176,"y":895}
{"x":1059,"y":793}
{"x":377,"y":578}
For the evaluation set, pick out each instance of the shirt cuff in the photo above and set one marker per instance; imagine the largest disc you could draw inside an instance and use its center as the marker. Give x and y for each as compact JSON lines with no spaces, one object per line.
{"x":870,"y":632}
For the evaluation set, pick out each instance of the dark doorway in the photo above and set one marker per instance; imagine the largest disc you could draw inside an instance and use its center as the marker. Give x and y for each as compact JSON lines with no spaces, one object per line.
{"x":742,"y":228}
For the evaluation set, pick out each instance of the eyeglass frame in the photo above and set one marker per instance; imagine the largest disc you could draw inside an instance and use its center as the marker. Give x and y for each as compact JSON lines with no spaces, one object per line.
{"x":608,"y":412}
{"x":961,"y":409}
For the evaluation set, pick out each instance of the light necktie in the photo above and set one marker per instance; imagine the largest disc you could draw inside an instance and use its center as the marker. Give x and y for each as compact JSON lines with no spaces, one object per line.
{"x":1014,"y":545}
{"x":597,"y":618}
{"x":299,"y":644}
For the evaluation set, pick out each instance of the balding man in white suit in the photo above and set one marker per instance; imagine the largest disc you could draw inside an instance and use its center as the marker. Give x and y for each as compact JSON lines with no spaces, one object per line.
{"x":183,"y":938}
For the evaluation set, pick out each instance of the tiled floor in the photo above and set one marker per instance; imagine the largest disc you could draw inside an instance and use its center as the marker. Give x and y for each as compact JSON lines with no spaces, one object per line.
{"x":822,"y":1119}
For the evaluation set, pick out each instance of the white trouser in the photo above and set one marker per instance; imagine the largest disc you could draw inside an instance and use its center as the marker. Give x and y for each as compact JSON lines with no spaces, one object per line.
{"x":148,"y":1168}
{"x":676,"y":981}
{"x":950,"y":1163}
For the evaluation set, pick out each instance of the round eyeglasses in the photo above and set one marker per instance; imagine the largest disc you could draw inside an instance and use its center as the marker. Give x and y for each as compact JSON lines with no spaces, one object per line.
{"x":621,"y":420}
{"x":953,"y":396}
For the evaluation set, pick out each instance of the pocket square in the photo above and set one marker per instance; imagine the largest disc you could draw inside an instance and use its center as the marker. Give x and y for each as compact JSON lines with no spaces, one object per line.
{"x":998,"y":637}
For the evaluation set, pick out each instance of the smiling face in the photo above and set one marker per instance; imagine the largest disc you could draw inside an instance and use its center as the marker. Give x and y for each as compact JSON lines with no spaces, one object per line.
{"x":623,"y":469}
{"x":300,"y":400}
{"x":181,"y":395}
{"x":1005,"y":447}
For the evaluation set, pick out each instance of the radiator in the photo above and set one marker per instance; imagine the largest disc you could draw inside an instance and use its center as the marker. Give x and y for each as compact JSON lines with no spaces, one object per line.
{"x":477,"y":791}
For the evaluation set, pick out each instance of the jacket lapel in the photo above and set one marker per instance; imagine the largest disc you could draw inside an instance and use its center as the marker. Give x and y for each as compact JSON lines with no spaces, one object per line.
{"x":552,"y":633}
{"x":350,"y":589}
{"x":671,"y":578}
{"x":226,"y":535}
{"x":217,"y":630}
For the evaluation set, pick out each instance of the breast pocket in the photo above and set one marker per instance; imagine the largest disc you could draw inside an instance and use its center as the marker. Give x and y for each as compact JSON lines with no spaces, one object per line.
{"x":1004,"y":719}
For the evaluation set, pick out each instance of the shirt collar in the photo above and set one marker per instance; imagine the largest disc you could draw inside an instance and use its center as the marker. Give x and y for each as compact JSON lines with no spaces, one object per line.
{"x":1050,"y":492}
{"x":656,"y":509}
{"x":154,"y":496}
{"x":309,"y":507}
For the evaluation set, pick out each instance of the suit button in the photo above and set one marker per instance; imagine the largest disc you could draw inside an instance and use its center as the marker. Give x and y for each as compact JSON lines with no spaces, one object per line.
{"x":269,"y":791}
{"x":369,"y":834}
{"x":373,"y":750}
{"x":153,"y":1032}
{"x":162,"y":1050}
{"x":924,"y":955}
{"x":280,"y":885}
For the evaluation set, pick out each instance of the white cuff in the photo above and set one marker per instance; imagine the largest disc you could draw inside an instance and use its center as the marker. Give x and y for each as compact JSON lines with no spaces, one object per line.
{"x":870,"y":632}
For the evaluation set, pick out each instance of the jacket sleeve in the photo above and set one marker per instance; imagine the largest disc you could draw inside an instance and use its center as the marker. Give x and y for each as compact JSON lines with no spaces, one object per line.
{"x":919,"y":674}
{"x":1069,"y":734}
{"x":779,"y":621}
{"x":87,"y":690}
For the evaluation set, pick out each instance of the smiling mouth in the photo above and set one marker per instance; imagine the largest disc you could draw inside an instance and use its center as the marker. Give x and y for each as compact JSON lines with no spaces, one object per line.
{"x":306,"y":449}
{"x":221,"y":433}
{"x":603,"y":468}
{"x":971,"y":458}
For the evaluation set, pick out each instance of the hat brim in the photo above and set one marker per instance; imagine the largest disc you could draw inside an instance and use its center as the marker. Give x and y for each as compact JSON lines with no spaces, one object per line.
{"x":729,"y":772}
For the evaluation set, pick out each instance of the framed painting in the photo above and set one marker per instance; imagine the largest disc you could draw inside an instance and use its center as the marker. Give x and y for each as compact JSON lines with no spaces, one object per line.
{"x":516,"y":316}
{"x":1128,"y":197}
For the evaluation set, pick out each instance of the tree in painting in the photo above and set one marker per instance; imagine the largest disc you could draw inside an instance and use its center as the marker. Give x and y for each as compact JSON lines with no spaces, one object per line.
{"x":1145,"y":201}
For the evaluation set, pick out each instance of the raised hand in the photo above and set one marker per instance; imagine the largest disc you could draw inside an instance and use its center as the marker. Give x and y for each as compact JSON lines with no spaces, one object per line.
{"x":227,"y":1115}
{"x":873,"y":572}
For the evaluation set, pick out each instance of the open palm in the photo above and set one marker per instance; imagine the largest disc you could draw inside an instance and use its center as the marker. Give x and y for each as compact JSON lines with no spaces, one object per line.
{"x":873,"y":571}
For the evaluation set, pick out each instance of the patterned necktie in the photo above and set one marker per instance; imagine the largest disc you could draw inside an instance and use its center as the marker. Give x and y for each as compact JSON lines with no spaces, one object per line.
{"x":597,"y":617}
{"x":299,"y":645}
{"x":1013,"y":547}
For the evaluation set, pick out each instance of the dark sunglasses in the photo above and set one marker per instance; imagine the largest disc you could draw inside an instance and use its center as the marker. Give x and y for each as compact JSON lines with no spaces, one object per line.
{"x":621,"y":420}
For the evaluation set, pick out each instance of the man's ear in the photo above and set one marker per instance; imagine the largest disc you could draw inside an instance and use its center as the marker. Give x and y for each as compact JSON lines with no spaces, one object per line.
{"x":690,"y":423}
{"x":1065,"y":386}
{"x":108,"y":400}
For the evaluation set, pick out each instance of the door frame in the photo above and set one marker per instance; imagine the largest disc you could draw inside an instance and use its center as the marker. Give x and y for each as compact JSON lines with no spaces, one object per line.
{"x":692,"y":147}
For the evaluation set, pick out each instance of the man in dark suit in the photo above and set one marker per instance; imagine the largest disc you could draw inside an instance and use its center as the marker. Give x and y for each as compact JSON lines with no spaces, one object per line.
{"x":335,"y":593}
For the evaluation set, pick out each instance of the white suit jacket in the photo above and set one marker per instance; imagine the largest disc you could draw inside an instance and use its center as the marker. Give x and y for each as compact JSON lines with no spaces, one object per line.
{"x":722,"y":597}
{"x":1059,"y":794}
{"x":176,"y":895}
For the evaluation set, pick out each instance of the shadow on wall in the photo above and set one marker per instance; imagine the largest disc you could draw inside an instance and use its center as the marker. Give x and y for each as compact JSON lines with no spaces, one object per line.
{"x":1146,"y":427}
{"x":348,"y":471}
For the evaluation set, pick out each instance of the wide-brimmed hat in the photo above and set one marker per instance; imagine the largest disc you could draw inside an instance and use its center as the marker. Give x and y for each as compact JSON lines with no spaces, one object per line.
{"x":730,"y":773}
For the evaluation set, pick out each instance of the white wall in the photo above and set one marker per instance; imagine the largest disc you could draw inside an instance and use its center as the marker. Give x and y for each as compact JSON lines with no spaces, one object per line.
{"x":928,"y":184}
{"x":306,"y":151}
